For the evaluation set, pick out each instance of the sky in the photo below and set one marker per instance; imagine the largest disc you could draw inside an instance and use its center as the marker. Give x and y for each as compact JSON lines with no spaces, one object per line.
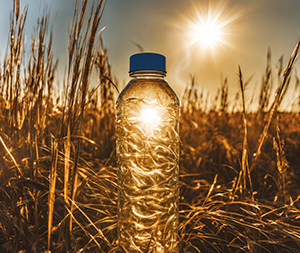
{"x":200,"y":38}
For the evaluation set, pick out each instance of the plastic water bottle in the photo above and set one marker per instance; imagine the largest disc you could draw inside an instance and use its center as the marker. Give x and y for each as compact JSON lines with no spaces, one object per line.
{"x":147,"y":131}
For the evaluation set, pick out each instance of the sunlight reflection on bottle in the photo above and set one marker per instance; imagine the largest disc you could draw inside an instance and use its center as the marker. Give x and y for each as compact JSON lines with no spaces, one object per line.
{"x":149,"y":116}
{"x":149,"y":119}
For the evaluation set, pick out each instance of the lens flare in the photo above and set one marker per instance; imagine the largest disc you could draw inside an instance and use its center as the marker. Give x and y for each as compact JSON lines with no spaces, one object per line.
{"x":211,"y":27}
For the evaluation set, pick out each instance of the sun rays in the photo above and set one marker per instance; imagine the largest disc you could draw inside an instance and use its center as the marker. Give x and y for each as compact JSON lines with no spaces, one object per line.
{"x":211,"y":26}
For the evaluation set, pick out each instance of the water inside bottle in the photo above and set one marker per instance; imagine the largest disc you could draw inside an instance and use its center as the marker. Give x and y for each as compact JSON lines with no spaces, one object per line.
{"x":148,"y":191}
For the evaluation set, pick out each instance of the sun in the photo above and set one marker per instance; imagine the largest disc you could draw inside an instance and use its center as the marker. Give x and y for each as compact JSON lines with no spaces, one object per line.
{"x":211,"y":26}
{"x":208,"y":34}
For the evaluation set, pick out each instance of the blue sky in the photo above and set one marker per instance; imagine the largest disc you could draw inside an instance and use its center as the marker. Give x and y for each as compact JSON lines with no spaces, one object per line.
{"x":163,"y":26}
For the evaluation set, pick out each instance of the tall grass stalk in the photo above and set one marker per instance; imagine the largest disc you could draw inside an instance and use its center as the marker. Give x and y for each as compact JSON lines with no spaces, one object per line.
{"x":276,"y":103}
{"x":244,"y":173}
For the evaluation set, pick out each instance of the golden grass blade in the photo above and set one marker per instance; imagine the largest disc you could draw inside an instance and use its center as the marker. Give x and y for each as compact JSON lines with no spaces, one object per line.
{"x":17,"y":9}
{"x":211,"y":189}
{"x":67,"y":154}
{"x":244,"y":152}
{"x":245,"y":168}
{"x":282,"y":164}
{"x":82,"y":13}
{"x":276,"y":103}
{"x":99,"y":231}
{"x":87,"y":68}
{"x":11,"y":156}
{"x":83,"y":229}
{"x":89,"y":47}
{"x":52,"y":187}
{"x":266,"y":86}
{"x":110,"y":81}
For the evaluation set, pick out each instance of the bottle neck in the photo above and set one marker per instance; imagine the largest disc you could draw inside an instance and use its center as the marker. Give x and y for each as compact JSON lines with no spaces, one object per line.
{"x":145,"y":74}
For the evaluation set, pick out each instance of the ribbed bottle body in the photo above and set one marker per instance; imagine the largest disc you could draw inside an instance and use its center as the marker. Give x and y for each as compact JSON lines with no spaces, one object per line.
{"x":147,"y":132}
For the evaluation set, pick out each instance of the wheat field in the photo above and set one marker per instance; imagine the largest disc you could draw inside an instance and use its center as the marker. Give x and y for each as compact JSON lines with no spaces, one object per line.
{"x":239,"y":170}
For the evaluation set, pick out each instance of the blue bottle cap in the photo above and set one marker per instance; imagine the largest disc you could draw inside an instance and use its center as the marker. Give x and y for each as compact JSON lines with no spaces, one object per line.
{"x":147,"y":61}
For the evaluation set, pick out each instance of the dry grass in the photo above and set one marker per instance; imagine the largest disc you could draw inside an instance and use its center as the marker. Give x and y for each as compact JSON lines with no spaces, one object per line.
{"x":58,"y":166}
